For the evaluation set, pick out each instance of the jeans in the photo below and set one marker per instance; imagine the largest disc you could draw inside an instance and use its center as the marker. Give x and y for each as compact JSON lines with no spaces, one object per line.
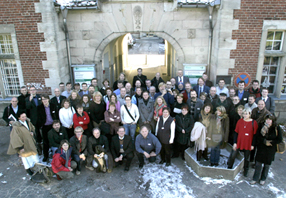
{"x":233,"y":155}
{"x":258,"y":174}
{"x":54,"y":149}
{"x":215,"y":153}
{"x":78,"y":160}
{"x":130,"y":130}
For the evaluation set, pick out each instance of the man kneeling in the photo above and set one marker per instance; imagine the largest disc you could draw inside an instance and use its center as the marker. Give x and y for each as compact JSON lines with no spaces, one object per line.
{"x":122,"y":147}
{"x":147,"y":145}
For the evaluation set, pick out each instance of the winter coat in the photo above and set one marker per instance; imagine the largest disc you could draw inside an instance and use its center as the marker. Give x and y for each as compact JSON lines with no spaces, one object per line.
{"x":93,"y":142}
{"x":266,"y":154}
{"x":183,"y":122}
{"x":59,"y":161}
{"x":84,"y":118}
{"x":79,"y":148}
{"x":21,"y":138}
{"x":42,"y":116}
{"x":212,"y":131}
{"x":55,"y":138}
{"x":9,"y":110}
{"x":146,"y":111}
{"x":127,"y":146}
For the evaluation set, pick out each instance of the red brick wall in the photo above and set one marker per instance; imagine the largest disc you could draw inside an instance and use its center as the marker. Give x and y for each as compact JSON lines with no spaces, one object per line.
{"x":22,"y":14}
{"x":251,"y":16}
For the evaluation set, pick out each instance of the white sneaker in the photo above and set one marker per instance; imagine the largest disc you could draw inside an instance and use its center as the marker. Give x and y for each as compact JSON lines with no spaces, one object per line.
{"x":252,"y":182}
{"x":262,"y":182}
{"x":89,"y":168}
{"x":77,"y":172}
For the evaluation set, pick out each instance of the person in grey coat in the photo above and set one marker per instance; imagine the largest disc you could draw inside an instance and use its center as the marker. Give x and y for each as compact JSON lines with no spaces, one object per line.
{"x":147,"y":145}
{"x":195,"y":105}
{"x":146,"y":110}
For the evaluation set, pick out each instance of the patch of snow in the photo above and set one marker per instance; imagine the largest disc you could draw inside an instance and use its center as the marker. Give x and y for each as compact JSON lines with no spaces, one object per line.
{"x":270,"y":174}
{"x":162,"y":181}
{"x":4,"y":182}
{"x":24,"y":178}
{"x":1,"y":174}
{"x":8,"y":168}
{"x":279,"y":193}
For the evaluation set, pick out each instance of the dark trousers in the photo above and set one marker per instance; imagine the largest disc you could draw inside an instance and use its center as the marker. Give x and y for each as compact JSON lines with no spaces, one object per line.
{"x":70,"y":132}
{"x":165,"y":153}
{"x":203,"y":153}
{"x":38,"y":134}
{"x":45,"y":130}
{"x":215,"y":154}
{"x":233,"y":155}
{"x":128,"y":158}
{"x":78,"y":161}
{"x":260,"y":174}
{"x":253,"y":153}
{"x":179,"y":148}
{"x":141,"y":158}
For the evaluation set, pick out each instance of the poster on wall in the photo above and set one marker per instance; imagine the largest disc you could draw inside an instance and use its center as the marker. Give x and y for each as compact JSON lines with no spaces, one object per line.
{"x":84,"y":73}
{"x":194,"y":71}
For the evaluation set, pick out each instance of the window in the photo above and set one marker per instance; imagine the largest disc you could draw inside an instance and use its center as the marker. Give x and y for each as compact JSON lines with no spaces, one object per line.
{"x":10,"y":84}
{"x":283,"y":89}
{"x":269,"y":72}
{"x":274,"y":40}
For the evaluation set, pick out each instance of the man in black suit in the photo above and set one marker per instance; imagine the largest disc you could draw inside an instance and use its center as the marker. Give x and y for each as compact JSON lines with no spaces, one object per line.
{"x":13,"y":109}
{"x":32,"y":102}
{"x":57,"y":100}
{"x":46,"y":115}
{"x":180,"y":78}
{"x":201,"y":87}
{"x":22,"y":97}
{"x":122,"y":147}
{"x":140,"y":77}
{"x":156,"y":81}
{"x":269,"y":101}
{"x":241,"y":93}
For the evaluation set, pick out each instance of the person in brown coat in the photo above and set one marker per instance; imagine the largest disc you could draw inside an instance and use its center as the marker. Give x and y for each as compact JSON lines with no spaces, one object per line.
{"x":112,"y":117}
{"x":23,"y":142}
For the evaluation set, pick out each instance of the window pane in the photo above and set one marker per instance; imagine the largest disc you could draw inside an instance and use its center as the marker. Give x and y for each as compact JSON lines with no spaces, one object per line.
{"x":276,"y":45}
{"x":283,"y":89}
{"x":265,"y":70}
{"x":266,"y":60}
{"x":271,"y":88}
{"x":278,"y":35}
{"x":272,"y":79}
{"x":268,"y":45}
{"x":274,"y":61}
{"x":270,"y":35}
{"x":284,"y":79}
{"x":273,"y":70}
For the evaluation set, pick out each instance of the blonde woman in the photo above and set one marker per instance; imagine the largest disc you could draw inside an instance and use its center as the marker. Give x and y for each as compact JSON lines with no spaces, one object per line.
{"x":218,"y":134}
{"x":160,"y":103}
{"x":97,"y":109}
{"x":74,"y":99}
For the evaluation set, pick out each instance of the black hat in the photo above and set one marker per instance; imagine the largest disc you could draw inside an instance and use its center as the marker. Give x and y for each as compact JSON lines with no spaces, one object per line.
{"x":77,"y":84}
{"x":222,"y":94}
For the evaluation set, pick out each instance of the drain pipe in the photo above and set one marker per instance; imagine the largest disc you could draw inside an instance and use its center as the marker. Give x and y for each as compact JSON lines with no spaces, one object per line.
{"x":210,"y":10}
{"x":65,"y":13}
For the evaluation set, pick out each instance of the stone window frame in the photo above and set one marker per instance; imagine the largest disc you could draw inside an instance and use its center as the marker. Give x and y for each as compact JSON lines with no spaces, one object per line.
{"x":273,"y":40}
{"x":10,"y":29}
{"x":269,"y":25}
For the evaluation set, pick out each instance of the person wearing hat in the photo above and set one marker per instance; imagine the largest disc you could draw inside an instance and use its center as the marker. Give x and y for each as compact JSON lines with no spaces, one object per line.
{"x":222,"y":102}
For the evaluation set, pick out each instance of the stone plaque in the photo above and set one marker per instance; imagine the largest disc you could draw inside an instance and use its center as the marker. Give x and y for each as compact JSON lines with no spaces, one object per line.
{"x":191,"y":33}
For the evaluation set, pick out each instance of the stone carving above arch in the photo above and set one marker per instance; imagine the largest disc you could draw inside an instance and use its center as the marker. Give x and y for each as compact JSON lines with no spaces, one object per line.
{"x":137,"y":16}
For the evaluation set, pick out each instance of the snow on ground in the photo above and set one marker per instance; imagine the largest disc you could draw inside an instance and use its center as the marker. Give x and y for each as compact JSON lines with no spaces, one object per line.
{"x":276,"y":191}
{"x":162,"y":181}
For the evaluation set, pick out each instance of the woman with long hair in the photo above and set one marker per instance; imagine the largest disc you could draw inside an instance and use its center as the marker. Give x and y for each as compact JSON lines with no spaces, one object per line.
{"x":114,"y":100}
{"x":97,"y":109}
{"x":268,"y":136}
{"x":159,"y":104}
{"x":106,"y":97}
{"x":218,"y":134}
{"x":74,"y":99}
{"x":85,"y":102}
{"x":105,"y":86}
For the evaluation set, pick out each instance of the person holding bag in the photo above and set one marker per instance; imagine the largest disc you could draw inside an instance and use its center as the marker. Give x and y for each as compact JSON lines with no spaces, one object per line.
{"x":129,"y":116}
{"x":268,"y":136}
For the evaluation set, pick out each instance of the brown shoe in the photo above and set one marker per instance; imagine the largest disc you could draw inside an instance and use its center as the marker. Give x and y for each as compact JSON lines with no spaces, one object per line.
{"x":109,"y":170}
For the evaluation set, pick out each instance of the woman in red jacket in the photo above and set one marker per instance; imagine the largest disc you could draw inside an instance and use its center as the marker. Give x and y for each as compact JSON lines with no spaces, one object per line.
{"x":81,"y":119}
{"x":62,"y":165}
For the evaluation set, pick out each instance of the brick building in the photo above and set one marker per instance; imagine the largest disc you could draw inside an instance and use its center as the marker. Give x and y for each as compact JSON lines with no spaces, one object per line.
{"x":228,"y":37}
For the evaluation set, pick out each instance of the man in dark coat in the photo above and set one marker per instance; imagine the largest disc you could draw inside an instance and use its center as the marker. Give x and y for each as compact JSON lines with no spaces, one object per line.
{"x":269,"y":101}
{"x":56,"y":135}
{"x":12,"y":109}
{"x":140,"y":77}
{"x":22,"y":97}
{"x":156,"y":81}
{"x":32,"y":103}
{"x":184,"y":126}
{"x":168,"y":96}
{"x":46,"y":115}
{"x":212,"y":95}
{"x":57,"y":100}
{"x":195,"y":105}
{"x":180,"y":78}
{"x":122,"y":147}
{"x":222,"y":101}
{"x":201,"y":87}
{"x":79,"y":144}
{"x":241,"y":93}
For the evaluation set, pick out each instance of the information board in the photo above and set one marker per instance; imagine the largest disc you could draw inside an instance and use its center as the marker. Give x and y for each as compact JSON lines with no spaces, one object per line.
{"x":84,"y":73}
{"x":194,"y":71}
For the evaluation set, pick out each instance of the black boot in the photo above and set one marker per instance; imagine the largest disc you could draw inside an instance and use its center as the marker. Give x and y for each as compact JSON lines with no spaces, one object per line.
{"x":205,"y":154}
{"x":199,"y":155}
{"x":29,"y":171}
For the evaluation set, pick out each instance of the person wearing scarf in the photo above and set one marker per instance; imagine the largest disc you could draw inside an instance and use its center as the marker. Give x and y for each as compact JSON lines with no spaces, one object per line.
{"x":62,"y":165}
{"x":218,"y":134}
{"x":268,"y":136}
{"x":160,"y":103}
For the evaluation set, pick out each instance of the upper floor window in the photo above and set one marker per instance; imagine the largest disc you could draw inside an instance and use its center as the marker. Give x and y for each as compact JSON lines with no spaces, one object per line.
{"x":6,"y":46}
{"x":274,"y":40}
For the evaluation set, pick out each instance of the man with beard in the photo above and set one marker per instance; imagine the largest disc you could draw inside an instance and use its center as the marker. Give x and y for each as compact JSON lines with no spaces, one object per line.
{"x":168,"y":96}
{"x":251,"y":102}
{"x":187,"y":92}
{"x":56,"y":135}
{"x":91,"y":91}
{"x":195,"y":105}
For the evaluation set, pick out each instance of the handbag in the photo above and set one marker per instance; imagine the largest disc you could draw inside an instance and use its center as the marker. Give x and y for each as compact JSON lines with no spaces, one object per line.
{"x":216,"y":138}
{"x":281,"y":147}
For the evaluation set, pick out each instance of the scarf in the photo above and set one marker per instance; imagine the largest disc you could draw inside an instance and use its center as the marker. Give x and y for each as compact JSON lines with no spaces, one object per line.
{"x":146,"y":101}
{"x":158,"y":108}
{"x":264,"y":129}
{"x":205,"y":118}
{"x":67,"y":158}
{"x":261,"y":117}
{"x":218,"y":123}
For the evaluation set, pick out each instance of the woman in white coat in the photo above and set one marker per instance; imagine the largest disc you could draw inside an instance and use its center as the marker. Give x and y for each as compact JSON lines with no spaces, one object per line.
{"x":66,"y":117}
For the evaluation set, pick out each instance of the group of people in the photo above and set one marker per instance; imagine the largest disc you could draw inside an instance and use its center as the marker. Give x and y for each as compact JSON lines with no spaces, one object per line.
{"x":103,"y":126}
